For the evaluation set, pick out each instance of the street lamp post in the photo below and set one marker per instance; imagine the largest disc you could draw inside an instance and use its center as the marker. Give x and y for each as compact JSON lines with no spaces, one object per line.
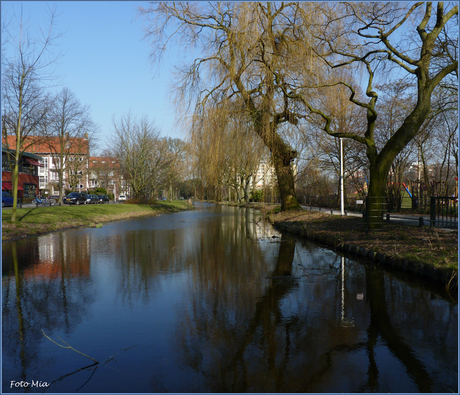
{"x":342,"y":202}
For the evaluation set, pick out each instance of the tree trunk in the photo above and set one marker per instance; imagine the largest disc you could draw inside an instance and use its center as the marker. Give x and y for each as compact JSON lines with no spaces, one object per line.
{"x":15,"y":183}
{"x":246,"y":190}
{"x":376,"y":200}
{"x":286,"y":185}
{"x":282,"y":156}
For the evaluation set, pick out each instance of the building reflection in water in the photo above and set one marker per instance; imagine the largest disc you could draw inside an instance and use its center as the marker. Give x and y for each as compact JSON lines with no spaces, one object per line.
{"x":45,"y":284}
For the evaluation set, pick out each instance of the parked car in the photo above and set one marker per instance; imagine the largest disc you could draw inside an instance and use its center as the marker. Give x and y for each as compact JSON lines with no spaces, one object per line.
{"x":103,"y":199}
{"x":92,"y":199}
{"x":7,"y":199}
{"x":121,"y":197}
{"x":75,"y":198}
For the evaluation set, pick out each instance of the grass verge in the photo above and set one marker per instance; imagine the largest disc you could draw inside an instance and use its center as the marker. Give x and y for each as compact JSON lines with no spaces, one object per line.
{"x":39,"y":220}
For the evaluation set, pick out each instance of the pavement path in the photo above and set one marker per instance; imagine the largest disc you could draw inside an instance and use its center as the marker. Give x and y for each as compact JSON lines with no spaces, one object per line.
{"x":413,"y":220}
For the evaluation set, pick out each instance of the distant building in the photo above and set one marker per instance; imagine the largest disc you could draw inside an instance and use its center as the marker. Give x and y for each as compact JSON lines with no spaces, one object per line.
{"x":265,"y":177}
{"x":105,"y":172}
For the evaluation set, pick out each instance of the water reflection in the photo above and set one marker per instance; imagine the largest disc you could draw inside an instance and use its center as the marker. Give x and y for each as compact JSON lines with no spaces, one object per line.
{"x":42,"y":288}
{"x":217,"y":301}
{"x":318,"y":326}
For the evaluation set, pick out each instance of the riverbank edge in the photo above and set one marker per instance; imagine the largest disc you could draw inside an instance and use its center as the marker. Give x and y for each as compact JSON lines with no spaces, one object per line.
{"x":95,"y":222}
{"x":447,"y":277}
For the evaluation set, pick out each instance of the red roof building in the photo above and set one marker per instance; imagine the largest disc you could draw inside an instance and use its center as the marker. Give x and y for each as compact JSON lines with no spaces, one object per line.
{"x":71,"y":153}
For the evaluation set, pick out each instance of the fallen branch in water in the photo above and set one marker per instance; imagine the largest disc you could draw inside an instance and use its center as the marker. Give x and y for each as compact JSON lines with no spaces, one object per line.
{"x":68,"y":346}
{"x":93,"y":366}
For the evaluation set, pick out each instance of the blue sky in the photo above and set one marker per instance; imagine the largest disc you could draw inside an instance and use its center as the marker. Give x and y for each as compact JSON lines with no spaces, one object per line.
{"x":106,"y":61}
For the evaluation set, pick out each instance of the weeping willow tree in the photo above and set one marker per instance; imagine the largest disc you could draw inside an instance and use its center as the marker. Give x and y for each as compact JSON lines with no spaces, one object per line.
{"x":227,"y":152}
{"x":243,"y":50}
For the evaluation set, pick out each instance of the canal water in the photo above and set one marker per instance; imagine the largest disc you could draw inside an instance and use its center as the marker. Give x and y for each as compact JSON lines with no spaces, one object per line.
{"x":215,"y":300}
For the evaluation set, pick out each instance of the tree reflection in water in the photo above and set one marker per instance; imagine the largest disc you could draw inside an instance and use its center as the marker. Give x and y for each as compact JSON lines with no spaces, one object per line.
{"x":292,"y":337}
{"x":46,"y":293}
{"x":217,"y":304}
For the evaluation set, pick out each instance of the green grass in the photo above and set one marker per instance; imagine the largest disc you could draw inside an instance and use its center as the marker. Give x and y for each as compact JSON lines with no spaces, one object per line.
{"x":38,"y":220}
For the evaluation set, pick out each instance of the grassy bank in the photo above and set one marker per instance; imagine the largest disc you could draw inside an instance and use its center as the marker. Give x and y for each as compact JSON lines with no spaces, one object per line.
{"x":38,"y":220}
{"x":435,"y":247}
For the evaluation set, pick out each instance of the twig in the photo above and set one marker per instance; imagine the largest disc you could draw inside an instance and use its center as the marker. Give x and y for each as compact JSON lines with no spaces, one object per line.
{"x":68,"y":346}
{"x":92,"y":366}
{"x":431,"y":245}
{"x":439,"y":240}
{"x":89,"y":378}
{"x":452,"y":278}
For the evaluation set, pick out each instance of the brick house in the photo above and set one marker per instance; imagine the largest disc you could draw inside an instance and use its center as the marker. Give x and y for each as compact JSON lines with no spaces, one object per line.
{"x":73,"y":153}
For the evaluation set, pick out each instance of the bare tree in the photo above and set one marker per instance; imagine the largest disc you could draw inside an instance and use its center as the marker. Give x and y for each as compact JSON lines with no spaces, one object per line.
{"x":26,"y":65}
{"x":142,"y":155}
{"x":67,"y":133}
{"x":364,"y":36}
{"x":444,"y":126}
{"x":174,"y":173}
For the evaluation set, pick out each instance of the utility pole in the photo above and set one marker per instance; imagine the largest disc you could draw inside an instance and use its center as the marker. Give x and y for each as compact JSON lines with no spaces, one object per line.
{"x":342,"y":201}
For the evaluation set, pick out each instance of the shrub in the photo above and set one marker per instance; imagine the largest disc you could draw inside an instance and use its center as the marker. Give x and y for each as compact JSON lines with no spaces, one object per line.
{"x":257,"y":195}
{"x":100,"y":191}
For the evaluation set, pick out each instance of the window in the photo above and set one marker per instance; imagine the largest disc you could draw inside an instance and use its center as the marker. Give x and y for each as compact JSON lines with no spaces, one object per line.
{"x":103,"y":161}
{"x":29,"y":190}
{"x":5,"y":165}
{"x":80,"y":159}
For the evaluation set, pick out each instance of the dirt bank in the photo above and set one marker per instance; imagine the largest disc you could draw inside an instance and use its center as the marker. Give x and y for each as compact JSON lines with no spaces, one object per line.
{"x":429,"y":253}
